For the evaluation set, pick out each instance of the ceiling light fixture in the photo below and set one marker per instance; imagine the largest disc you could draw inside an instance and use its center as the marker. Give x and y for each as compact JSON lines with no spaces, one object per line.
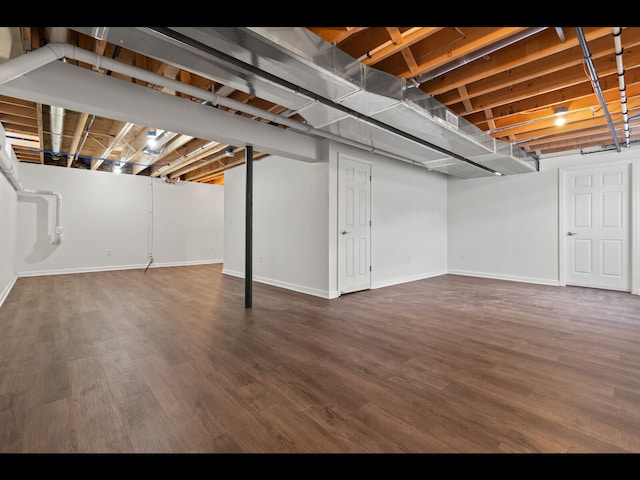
{"x":559,"y":113}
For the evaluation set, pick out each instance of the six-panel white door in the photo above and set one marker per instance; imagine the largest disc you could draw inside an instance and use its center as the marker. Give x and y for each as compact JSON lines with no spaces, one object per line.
{"x":354,"y":225}
{"x":597,"y":228}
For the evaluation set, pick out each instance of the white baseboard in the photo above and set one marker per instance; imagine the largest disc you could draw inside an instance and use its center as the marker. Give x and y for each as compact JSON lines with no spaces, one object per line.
{"x":64,"y":271}
{"x":511,"y":278}
{"x":277,"y":283}
{"x":410,"y":278}
{"x":185,"y":264}
{"x":5,"y":293}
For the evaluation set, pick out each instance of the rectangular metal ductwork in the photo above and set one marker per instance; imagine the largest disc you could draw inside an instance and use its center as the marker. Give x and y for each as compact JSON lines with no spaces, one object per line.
{"x":334,"y":92}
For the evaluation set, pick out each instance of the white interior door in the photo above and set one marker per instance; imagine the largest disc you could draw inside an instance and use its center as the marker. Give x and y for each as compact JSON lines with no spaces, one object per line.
{"x":597,"y":228}
{"x":354,"y":225}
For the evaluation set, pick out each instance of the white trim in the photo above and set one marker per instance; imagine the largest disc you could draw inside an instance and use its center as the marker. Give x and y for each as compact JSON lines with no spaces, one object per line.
{"x":7,"y":290}
{"x":634,"y":213}
{"x":561,"y":207}
{"x":66,"y":271}
{"x":511,"y":278}
{"x":370,"y":164}
{"x":185,"y":264}
{"x":635,"y":228}
{"x":410,"y":278}
{"x":277,"y":283}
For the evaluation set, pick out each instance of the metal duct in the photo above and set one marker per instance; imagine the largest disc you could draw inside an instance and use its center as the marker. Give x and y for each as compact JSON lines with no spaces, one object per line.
{"x":34,"y":62}
{"x":56,"y":114}
{"x":338,"y":97}
{"x":57,"y":121}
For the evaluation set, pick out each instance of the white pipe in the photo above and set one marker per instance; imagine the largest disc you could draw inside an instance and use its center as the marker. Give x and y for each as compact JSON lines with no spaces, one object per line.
{"x":58,"y":230}
{"x":596,"y":85}
{"x":56,"y":51}
{"x":476,"y":55}
{"x":617,"y":32}
{"x":8,"y":168}
{"x":57,"y":117}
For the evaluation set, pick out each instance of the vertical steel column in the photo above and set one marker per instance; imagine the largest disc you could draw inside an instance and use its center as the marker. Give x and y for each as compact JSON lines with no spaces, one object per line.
{"x":248,"y":229}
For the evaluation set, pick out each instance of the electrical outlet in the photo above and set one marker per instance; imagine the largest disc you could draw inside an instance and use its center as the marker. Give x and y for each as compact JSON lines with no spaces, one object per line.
{"x":109,"y":252}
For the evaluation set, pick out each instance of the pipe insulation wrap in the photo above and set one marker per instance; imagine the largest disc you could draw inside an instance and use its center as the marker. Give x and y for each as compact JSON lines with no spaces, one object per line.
{"x":26,"y":63}
{"x":9,"y":171}
{"x":9,"y":168}
{"x":57,"y":117}
{"x":57,"y":51}
{"x":8,"y":161}
{"x":58,"y":229}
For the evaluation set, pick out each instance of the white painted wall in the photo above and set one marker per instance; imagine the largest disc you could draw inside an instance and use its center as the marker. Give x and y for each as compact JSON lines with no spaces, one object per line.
{"x":8,"y":211}
{"x":409,"y":223}
{"x":295,"y":221}
{"x":507,"y":227}
{"x":290,"y":205}
{"x":188,"y":223}
{"x":424,"y":223}
{"x":504,"y":227}
{"x":106,"y":221}
{"x":408,"y":217}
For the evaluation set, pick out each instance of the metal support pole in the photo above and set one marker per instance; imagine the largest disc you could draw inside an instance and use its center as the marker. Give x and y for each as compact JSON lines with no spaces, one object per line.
{"x":248,"y":231}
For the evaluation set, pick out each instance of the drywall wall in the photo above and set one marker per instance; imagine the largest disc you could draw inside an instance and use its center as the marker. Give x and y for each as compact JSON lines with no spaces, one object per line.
{"x":290,"y":203}
{"x":188,"y":223}
{"x":295,"y":215}
{"x":8,"y":209}
{"x":507,"y":227}
{"x":408,"y":219}
{"x":504,"y":227}
{"x":409,"y":223}
{"x":114,"y":221}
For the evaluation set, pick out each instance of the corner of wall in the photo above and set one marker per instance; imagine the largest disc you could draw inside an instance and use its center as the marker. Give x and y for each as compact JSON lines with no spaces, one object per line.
{"x":5,"y":293}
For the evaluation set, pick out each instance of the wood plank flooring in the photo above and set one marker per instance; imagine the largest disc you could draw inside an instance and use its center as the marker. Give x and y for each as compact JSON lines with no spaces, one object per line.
{"x":170,"y":361}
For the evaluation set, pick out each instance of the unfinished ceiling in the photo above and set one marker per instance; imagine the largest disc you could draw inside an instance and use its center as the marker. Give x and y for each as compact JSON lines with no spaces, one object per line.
{"x":466,"y":101}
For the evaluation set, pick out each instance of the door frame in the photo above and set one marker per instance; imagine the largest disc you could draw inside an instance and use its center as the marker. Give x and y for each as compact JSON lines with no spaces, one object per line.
{"x":342,"y":156}
{"x":634,"y":223}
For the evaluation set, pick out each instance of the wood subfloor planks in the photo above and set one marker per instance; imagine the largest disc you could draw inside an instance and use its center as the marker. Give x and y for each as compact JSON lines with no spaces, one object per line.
{"x":170,"y":361}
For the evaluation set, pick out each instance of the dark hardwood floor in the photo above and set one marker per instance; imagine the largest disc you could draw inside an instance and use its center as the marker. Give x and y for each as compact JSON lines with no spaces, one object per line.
{"x":171,"y":361}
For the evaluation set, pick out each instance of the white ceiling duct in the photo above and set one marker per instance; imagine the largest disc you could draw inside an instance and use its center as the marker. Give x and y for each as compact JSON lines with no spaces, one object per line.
{"x":57,"y":122}
{"x":56,"y":114}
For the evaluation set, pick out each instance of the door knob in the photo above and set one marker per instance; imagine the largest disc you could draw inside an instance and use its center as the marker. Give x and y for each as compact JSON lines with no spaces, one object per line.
{"x":344,"y":232}
{"x":571,"y":234}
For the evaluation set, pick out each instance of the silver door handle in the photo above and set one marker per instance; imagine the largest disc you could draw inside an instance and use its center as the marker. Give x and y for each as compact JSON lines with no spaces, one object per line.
{"x":571,"y":234}
{"x":344,"y":232}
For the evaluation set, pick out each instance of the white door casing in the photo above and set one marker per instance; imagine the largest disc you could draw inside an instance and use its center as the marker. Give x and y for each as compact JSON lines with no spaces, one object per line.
{"x":595,"y":232}
{"x":354,"y":225}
